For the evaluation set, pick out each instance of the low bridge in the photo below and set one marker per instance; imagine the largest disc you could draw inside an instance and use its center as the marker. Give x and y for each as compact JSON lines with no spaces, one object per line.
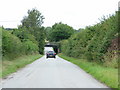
{"x":55,"y":45}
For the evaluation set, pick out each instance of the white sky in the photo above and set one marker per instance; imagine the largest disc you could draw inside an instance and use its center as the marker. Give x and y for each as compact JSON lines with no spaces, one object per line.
{"x":76,"y":13}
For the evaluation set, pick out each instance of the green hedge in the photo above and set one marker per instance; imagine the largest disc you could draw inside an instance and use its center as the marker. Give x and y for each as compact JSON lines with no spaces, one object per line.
{"x":13,"y":46}
{"x":93,"y":42}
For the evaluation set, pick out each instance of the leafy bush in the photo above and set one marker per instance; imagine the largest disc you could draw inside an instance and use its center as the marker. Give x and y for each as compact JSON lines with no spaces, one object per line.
{"x":23,"y":35}
{"x":30,"y":47}
{"x":11,"y":45}
{"x":93,"y":42}
{"x":37,"y":37}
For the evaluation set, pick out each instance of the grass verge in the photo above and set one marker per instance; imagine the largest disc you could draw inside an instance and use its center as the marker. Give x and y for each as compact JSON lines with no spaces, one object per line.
{"x":9,"y":67}
{"x":106,"y":75}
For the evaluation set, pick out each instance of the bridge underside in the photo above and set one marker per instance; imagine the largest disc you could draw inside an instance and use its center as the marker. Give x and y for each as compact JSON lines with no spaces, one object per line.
{"x":55,"y":47}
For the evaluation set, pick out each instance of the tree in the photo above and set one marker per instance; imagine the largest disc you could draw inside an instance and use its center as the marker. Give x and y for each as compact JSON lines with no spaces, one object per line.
{"x":60,"y":31}
{"x":47,"y":32}
{"x":23,"y":34}
{"x":40,"y":37}
{"x":34,"y":19}
{"x":33,"y":23}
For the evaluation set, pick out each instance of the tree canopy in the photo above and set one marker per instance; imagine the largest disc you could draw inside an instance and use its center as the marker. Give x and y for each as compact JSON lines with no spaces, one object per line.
{"x":33,"y":23}
{"x":60,"y":31}
{"x":34,"y":19}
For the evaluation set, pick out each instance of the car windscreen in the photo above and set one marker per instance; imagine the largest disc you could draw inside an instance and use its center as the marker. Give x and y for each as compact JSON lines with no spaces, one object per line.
{"x":51,"y":52}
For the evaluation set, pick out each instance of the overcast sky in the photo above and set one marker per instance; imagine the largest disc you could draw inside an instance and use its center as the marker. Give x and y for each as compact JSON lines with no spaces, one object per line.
{"x":76,"y":13}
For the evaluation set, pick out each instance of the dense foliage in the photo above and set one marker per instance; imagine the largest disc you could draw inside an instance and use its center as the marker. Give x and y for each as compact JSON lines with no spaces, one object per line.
{"x":33,"y":23}
{"x":29,"y":38}
{"x":47,"y":33}
{"x":34,"y":19}
{"x":93,"y":42}
{"x":13,"y":47}
{"x":59,"y":31}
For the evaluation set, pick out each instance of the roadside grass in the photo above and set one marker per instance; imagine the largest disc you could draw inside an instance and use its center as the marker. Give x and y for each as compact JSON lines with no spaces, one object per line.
{"x":9,"y":67}
{"x":106,"y":75}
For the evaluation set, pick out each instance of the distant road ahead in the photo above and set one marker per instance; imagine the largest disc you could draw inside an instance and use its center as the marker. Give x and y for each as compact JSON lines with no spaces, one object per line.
{"x":51,"y":73}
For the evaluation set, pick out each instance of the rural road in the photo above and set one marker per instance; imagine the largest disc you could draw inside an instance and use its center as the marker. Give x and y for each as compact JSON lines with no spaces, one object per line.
{"x":51,"y":73}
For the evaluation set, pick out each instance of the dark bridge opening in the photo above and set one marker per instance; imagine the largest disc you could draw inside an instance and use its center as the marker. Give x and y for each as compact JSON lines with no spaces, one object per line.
{"x":55,"y":47}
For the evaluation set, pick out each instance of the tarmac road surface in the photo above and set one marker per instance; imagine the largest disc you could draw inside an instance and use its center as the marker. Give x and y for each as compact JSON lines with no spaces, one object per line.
{"x":51,"y":73}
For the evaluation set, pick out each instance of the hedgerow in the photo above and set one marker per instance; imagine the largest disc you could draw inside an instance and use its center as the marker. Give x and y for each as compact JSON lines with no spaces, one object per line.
{"x":93,"y":42}
{"x":17,"y":44}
